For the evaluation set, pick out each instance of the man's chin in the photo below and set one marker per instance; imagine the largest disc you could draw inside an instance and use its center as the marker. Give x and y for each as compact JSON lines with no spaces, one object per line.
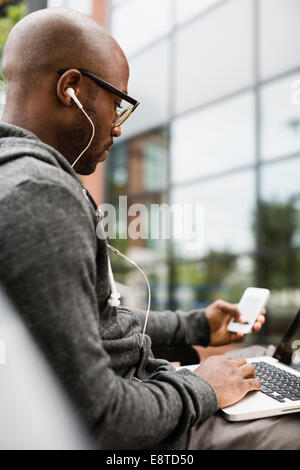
{"x":87,"y":170}
{"x":91,"y":167}
{"x":103,"y":156}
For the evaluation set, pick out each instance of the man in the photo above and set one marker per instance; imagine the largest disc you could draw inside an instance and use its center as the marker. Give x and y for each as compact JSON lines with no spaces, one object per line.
{"x":56,"y":269}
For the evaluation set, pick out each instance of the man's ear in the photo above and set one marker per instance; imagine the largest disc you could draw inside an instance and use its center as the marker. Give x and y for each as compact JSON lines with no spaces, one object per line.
{"x":70,"y":79}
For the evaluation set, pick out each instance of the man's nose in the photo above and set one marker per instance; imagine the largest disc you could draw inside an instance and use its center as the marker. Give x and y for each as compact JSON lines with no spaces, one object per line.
{"x":116,"y":131}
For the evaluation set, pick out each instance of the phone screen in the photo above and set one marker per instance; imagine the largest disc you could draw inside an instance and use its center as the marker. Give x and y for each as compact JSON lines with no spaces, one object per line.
{"x":250,"y":307}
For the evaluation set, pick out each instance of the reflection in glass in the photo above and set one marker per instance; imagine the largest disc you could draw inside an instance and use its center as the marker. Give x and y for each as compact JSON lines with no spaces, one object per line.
{"x":219,"y":275}
{"x":85,"y":7}
{"x":280,"y":204}
{"x":213,"y":140}
{"x":139,"y":165}
{"x":188,"y":9}
{"x":280,"y":273}
{"x":117,"y":171}
{"x":214,"y":55}
{"x":229,"y":204}
{"x":145,"y":243}
{"x":138,"y":169}
{"x":2,"y":96}
{"x":214,"y":58}
{"x":118,"y":2}
{"x":149,"y":83}
{"x":134,"y":290}
{"x":139,"y":22}
{"x":280,"y":36}
{"x":280,"y":119}
{"x":279,"y":262}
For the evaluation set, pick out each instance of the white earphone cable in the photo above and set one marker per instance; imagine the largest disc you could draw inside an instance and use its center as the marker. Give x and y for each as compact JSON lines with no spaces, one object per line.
{"x":146,"y":279}
{"x":114,"y":299}
{"x":90,"y":141}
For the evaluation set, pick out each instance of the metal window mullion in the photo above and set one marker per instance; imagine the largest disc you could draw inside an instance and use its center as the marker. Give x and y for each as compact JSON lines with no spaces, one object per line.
{"x":171,"y":100}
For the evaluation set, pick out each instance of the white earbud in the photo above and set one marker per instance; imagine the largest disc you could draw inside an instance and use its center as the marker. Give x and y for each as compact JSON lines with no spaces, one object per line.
{"x":71,"y":93}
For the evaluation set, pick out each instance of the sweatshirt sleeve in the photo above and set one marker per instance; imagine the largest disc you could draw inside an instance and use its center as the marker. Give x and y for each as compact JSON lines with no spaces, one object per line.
{"x":176,"y":328}
{"x":47,"y":264}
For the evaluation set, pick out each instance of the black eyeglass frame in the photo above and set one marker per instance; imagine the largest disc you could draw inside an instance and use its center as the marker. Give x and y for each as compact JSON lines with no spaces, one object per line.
{"x":105,"y":85}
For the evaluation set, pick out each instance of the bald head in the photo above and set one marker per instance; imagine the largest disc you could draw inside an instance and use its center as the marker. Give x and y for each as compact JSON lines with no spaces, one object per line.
{"x":36,"y":49}
{"x":58,"y":38}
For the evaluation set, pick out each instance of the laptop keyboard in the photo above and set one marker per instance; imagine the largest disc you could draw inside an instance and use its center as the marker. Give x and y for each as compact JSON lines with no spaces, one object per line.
{"x":277,"y":383}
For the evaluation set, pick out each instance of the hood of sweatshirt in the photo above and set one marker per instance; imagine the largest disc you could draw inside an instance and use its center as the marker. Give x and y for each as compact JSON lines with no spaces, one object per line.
{"x":23,"y":156}
{"x":16,"y":142}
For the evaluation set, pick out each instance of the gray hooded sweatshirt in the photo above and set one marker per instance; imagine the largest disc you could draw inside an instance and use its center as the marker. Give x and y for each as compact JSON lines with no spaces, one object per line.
{"x":55,"y":269}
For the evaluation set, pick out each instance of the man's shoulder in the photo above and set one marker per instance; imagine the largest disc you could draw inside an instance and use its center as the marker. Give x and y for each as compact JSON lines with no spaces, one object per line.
{"x":31,"y":170}
{"x":44,"y":217}
{"x":33,"y":186}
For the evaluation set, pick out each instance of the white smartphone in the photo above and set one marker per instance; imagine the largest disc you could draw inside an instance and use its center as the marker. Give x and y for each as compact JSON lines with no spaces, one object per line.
{"x":251,"y":304}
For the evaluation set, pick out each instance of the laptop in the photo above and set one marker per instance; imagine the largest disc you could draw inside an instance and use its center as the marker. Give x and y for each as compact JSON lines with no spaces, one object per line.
{"x":280,"y":381}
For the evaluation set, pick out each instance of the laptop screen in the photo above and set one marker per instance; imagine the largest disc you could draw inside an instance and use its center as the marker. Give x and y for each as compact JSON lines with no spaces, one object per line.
{"x":288,"y":350}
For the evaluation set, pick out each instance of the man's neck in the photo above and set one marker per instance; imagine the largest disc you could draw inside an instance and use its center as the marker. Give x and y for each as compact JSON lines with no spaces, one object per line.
{"x":35,"y":125}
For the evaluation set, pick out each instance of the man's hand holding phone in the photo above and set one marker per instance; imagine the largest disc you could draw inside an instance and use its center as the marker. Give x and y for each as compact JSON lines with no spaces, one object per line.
{"x":220,"y":314}
{"x":251,"y":304}
{"x":233,"y":378}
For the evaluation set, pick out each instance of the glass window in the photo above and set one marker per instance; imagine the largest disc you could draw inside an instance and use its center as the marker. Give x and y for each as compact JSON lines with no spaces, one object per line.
{"x":213,"y":140}
{"x":153,"y":247}
{"x":218,"y":276}
{"x":139,"y":165}
{"x":187,"y":9}
{"x":128,"y":224}
{"x":221,"y":219}
{"x":280,"y":273}
{"x":279,"y":262}
{"x":136,"y":186}
{"x":117,"y":2}
{"x":214,"y":55}
{"x":280,"y":204}
{"x":134,"y":289}
{"x":281,"y":117}
{"x":137,"y":23}
{"x":56,"y":3}
{"x":117,"y":171}
{"x":85,"y":7}
{"x":2,"y":96}
{"x":280,"y":36}
{"x":148,"y":83}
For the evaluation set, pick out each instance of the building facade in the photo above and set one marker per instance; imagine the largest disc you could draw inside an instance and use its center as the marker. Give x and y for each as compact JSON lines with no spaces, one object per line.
{"x":218,"y":125}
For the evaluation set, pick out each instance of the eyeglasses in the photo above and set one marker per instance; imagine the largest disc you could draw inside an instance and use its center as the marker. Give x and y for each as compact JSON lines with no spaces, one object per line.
{"x":122,"y":113}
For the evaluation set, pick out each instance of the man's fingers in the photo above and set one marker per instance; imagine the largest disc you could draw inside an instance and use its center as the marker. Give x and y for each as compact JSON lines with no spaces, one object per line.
{"x":261,"y":319}
{"x":240,"y":361}
{"x":248,"y":371}
{"x":230,"y":309}
{"x":259,"y":322}
{"x":232,"y":337}
{"x":236,"y":337}
{"x":252,"y":384}
{"x":240,"y":336}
